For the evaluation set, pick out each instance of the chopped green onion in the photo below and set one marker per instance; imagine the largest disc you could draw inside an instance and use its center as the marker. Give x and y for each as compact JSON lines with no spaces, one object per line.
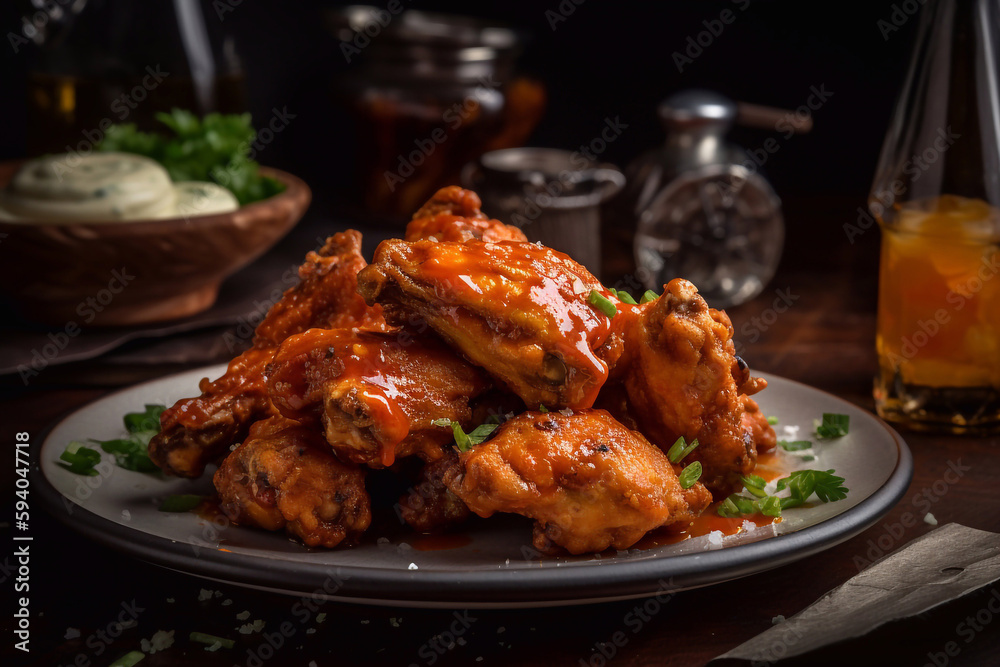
{"x":769,"y":506}
{"x":442,"y":422}
{"x":795,"y":445}
{"x":180,"y":503}
{"x":809,"y":458}
{"x":755,"y":485}
{"x":772,"y":420}
{"x":129,"y":659}
{"x":648,"y":296}
{"x":131,"y":453}
{"x":80,"y":459}
{"x":690,"y":475}
{"x":833,"y":425}
{"x":148,"y":420}
{"x":203,"y":638}
{"x":602,"y":303}
{"x":680,"y":449}
{"x":625,"y":297}
{"x":542,"y":408}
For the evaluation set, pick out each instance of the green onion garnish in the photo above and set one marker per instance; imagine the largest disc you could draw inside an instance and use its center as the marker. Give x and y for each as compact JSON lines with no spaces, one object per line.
{"x":648,"y":296}
{"x":681,"y":449}
{"x":602,"y":303}
{"x":542,"y":408}
{"x":442,"y":422}
{"x":625,"y":297}
{"x":769,"y":506}
{"x":80,"y":459}
{"x":690,"y":475}
{"x":772,"y":420}
{"x":129,"y":659}
{"x":180,"y":503}
{"x":755,"y":485}
{"x":833,"y":425}
{"x":795,"y":445}
{"x":204,"y":638}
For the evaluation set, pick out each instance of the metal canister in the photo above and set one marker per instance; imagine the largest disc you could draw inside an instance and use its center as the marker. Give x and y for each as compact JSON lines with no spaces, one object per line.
{"x":553,"y":195}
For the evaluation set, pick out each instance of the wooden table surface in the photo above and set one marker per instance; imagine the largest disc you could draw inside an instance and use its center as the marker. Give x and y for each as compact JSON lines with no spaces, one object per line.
{"x":825,"y":339}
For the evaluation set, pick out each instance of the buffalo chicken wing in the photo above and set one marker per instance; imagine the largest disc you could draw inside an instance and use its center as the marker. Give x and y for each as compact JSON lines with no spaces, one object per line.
{"x":518,"y":310}
{"x":587,"y":481}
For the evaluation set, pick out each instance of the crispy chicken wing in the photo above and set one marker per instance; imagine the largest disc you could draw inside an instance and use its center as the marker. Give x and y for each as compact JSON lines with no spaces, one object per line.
{"x":587,"y":481}
{"x":197,"y":431}
{"x":285,"y":476}
{"x":376,"y":393}
{"x":519,"y":310}
{"x":430,"y":506}
{"x":682,"y":377}
{"x":453,"y":214}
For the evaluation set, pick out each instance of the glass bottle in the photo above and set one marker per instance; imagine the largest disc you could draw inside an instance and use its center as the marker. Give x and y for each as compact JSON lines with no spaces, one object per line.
{"x":99,"y":62}
{"x":936,"y":196}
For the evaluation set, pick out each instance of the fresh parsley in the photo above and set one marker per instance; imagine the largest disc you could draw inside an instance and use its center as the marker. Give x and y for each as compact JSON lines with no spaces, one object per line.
{"x":801,"y":485}
{"x":214,"y":148}
{"x":465,"y":441}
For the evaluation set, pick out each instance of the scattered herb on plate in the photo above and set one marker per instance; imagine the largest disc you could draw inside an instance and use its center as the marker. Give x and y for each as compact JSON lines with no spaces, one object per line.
{"x":130,"y":452}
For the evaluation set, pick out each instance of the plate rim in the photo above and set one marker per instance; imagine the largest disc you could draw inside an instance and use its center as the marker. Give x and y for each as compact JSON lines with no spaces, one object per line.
{"x":489,"y":588}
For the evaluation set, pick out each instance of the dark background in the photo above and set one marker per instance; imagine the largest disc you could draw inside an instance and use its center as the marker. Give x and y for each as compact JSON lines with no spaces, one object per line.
{"x":608,"y":59}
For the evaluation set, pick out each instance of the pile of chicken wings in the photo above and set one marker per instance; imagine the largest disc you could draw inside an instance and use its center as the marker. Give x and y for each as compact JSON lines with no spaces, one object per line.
{"x":464,"y":323}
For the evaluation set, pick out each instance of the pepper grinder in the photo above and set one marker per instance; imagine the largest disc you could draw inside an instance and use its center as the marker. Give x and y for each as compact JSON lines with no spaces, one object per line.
{"x":698,"y":206}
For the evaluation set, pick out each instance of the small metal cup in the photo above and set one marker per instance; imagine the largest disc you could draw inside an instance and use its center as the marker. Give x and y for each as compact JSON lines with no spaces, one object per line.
{"x":554,"y":196}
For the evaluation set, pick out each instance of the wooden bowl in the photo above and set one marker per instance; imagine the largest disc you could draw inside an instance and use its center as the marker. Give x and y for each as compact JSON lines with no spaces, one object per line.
{"x":84,"y":273}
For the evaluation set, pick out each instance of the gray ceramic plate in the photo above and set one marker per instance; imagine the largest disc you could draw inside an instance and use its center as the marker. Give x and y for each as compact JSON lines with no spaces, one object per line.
{"x":493,"y":566}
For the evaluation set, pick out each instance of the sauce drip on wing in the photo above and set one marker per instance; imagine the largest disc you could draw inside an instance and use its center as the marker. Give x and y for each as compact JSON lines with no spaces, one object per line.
{"x":519,"y":310}
{"x":375,"y":393}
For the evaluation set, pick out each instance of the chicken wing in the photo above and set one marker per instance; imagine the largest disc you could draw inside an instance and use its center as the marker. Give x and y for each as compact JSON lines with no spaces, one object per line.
{"x":284,"y":476}
{"x":519,"y":310}
{"x":376,"y":393}
{"x":587,"y":481}
{"x":453,"y":214}
{"x":430,"y":506}
{"x":197,"y":431}
{"x":682,"y":377}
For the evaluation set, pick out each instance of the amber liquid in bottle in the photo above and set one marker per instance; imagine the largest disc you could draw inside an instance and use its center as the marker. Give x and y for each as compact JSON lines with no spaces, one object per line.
{"x":938,"y":337}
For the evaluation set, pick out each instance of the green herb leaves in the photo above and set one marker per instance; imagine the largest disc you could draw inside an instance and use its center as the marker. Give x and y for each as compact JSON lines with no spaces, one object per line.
{"x":795,"y":445}
{"x":801,"y":485}
{"x":833,"y":425}
{"x":129,"y":452}
{"x":215,"y":148}
{"x":465,"y":441}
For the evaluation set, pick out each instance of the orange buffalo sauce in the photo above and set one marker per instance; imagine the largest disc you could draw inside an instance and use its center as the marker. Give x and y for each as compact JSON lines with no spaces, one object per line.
{"x":708,"y":522}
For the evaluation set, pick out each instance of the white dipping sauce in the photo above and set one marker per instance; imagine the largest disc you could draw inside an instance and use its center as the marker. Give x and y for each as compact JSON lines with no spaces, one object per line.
{"x":105,"y":187}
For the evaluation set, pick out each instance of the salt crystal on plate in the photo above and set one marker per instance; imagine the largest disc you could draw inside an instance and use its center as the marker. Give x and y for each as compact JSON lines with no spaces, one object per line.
{"x":412,"y":566}
{"x":715,"y":538}
{"x":71,"y":633}
{"x":930,"y":518}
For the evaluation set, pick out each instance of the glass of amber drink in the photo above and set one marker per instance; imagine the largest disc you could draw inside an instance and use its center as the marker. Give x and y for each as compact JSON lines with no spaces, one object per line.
{"x":938,"y":337}
{"x":936,"y":196}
